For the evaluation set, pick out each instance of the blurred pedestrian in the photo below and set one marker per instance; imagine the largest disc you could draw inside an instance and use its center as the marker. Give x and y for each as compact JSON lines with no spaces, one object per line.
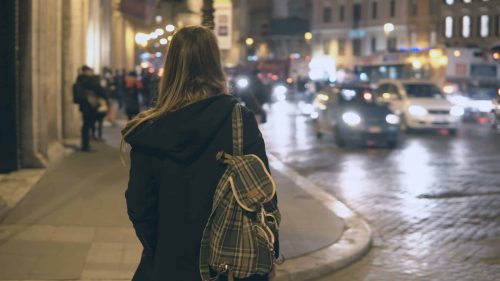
{"x":109,"y":82}
{"x":120,"y":86}
{"x":255,"y":96}
{"x":146,"y":93}
{"x":100,"y":85}
{"x":174,"y":171}
{"x":132,"y":88}
{"x":86,"y":94}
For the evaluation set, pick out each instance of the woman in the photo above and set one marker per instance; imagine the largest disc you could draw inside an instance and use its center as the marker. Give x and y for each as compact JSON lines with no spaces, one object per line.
{"x":174,"y":172}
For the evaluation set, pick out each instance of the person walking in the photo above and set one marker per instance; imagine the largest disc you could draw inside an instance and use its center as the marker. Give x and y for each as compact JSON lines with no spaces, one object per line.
{"x":86,"y":95}
{"x":132,"y":89}
{"x":174,"y":172}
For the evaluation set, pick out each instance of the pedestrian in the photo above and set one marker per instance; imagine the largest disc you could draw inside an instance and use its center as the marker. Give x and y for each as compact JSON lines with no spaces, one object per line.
{"x":100,"y":84}
{"x":86,"y":95}
{"x":255,"y":96}
{"x":132,"y":88}
{"x":109,"y":82}
{"x":174,"y":171}
{"x":146,"y":93}
{"x":120,"y":86}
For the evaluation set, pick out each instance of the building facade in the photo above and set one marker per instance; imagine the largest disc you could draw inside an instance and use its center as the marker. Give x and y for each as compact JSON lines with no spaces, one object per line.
{"x":48,"y":42}
{"x":373,"y":32}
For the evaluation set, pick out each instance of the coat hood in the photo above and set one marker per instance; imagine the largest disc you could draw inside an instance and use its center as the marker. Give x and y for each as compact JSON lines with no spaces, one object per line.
{"x":184,"y":134}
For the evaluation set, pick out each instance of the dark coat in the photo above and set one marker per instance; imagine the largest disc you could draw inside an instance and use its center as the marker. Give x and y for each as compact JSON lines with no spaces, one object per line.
{"x":173,"y":177}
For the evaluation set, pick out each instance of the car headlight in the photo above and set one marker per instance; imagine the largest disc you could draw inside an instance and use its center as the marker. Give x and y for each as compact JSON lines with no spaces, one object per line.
{"x":242,"y":83}
{"x":417,"y":110}
{"x":457,"y":111}
{"x":392,"y":119}
{"x":351,"y":118}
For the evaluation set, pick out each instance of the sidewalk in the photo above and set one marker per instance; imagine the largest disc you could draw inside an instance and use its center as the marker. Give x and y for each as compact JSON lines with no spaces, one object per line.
{"x":73,"y":224}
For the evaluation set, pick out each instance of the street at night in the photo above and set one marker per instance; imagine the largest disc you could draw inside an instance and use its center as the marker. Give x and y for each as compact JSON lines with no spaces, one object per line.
{"x":250,"y":140}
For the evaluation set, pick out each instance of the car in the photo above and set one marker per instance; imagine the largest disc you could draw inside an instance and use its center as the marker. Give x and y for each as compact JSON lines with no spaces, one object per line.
{"x":352,"y":115}
{"x":420,"y":104}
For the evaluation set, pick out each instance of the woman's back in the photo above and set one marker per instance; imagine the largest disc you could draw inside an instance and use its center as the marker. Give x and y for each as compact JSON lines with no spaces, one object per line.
{"x":173,"y":177}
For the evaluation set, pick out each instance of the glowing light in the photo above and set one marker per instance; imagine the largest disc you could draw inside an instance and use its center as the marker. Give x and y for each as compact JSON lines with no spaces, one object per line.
{"x":158,"y":19}
{"x":351,"y":118}
{"x":275,"y":77}
{"x":170,"y":28}
{"x":158,"y":54}
{"x":323,"y":97}
{"x":141,"y":38}
{"x":457,"y":111}
{"x":308,"y":35}
{"x":163,"y":41}
{"x":145,"y":64}
{"x":449,"y":89}
{"x":242,"y":83}
{"x":496,"y":55}
{"x":434,"y":53}
{"x":280,"y":90}
{"x":153,"y":35}
{"x":289,"y":80}
{"x":169,"y":38}
{"x":249,"y":41}
{"x":457,"y":53}
{"x":388,"y":28}
{"x":368,"y":96}
{"x":416,"y":64}
{"x":392,"y":119}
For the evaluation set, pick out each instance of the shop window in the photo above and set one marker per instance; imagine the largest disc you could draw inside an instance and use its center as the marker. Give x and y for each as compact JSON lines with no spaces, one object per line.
{"x":356,"y":47}
{"x":448,"y":27}
{"x":341,"y":47}
{"x":392,"y":43}
{"x":484,"y":26}
{"x":466,"y":26}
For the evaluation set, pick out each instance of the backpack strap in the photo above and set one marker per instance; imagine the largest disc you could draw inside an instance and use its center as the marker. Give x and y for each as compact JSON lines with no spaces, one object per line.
{"x":237,"y":131}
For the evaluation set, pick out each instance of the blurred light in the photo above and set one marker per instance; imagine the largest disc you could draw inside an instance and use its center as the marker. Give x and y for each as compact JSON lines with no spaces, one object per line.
{"x":145,"y":64}
{"x":289,"y":80}
{"x":498,"y":92}
{"x":280,"y":90}
{"x":159,"y":32}
{"x":158,"y":19}
{"x":386,"y":96}
{"x":275,"y":77}
{"x":416,"y":64}
{"x":417,"y":110}
{"x":449,"y":89}
{"x":443,"y":61}
{"x":169,"y":38}
{"x":151,"y":70}
{"x":392,"y":119}
{"x":388,"y":27}
{"x":368,"y":96}
{"x":308,"y":36}
{"x":496,"y":55}
{"x":323,"y":97}
{"x":242,"y":83}
{"x":160,"y":71}
{"x":314,"y":115}
{"x":163,"y":41}
{"x":457,"y":111}
{"x":351,"y":118}
{"x":249,"y":41}
{"x":152,"y":56}
{"x":170,"y":28}
{"x":322,"y":68}
{"x":348,"y":94}
{"x":145,"y":56}
{"x":141,"y":38}
{"x":153,"y":35}
{"x":363,"y":76}
{"x":457,"y":53}
{"x":434,"y":53}
{"x":295,"y":56}
{"x":158,"y":54}
{"x":252,"y":58}
{"x":342,"y":211}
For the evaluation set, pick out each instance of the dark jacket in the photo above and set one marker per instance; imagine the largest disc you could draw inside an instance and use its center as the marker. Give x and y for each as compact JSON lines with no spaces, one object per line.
{"x":173,"y":177}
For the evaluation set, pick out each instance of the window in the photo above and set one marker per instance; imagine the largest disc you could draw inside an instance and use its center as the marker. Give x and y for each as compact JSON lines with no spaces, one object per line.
{"x":448,"y":27}
{"x":484,"y":26}
{"x":450,"y":2}
{"x":497,"y":25}
{"x":393,"y":8}
{"x":342,"y":13}
{"x":374,"y":44}
{"x":392,"y":44}
{"x":327,"y":14}
{"x":356,"y":15}
{"x":413,"y":8}
{"x":374,"y":10}
{"x":356,"y":47}
{"x":341,"y":47}
{"x":466,"y":26}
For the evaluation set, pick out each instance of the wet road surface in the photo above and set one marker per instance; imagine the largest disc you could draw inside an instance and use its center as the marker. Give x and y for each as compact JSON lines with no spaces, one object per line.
{"x":433,"y":202}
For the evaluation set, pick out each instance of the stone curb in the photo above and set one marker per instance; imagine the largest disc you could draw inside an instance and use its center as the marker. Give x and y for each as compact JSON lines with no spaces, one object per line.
{"x":352,"y":245}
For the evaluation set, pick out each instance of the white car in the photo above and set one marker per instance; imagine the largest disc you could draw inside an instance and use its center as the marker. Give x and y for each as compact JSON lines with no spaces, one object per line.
{"x":420,"y":104}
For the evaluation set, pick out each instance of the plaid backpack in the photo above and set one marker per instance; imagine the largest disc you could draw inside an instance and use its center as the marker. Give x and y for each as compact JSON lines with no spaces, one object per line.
{"x":238,"y":239}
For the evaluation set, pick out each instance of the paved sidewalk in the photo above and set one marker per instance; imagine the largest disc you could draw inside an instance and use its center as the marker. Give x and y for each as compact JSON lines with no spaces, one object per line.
{"x":73,"y":223}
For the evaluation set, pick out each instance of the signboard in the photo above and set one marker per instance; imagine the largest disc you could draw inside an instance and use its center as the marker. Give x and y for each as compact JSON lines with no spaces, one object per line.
{"x":224,"y":23}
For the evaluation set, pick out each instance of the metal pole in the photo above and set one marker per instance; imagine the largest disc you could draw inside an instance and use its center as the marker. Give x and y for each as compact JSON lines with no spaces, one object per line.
{"x":208,"y":14}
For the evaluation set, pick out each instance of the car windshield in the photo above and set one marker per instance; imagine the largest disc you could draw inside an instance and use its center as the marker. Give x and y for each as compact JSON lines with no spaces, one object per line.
{"x":423,"y":91}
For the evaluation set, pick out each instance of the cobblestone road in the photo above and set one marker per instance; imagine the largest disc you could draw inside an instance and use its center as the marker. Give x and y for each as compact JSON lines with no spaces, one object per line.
{"x":434,"y":202}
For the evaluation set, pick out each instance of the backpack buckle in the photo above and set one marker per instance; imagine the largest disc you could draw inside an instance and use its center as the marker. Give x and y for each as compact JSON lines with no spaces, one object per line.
{"x":223,"y":157}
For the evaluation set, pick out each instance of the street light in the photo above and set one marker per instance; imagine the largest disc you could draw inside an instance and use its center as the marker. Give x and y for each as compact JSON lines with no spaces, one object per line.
{"x":170,"y":28}
{"x":249,"y":41}
{"x":308,"y":36}
{"x":163,"y":41}
{"x":388,"y":28}
{"x":159,"y":32}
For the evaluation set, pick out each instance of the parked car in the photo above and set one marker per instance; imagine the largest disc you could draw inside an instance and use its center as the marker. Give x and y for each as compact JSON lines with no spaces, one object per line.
{"x":420,"y":105}
{"x":352,"y":115}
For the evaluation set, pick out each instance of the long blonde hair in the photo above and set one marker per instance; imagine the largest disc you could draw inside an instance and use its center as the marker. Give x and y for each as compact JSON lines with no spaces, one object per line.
{"x":192,"y":72}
